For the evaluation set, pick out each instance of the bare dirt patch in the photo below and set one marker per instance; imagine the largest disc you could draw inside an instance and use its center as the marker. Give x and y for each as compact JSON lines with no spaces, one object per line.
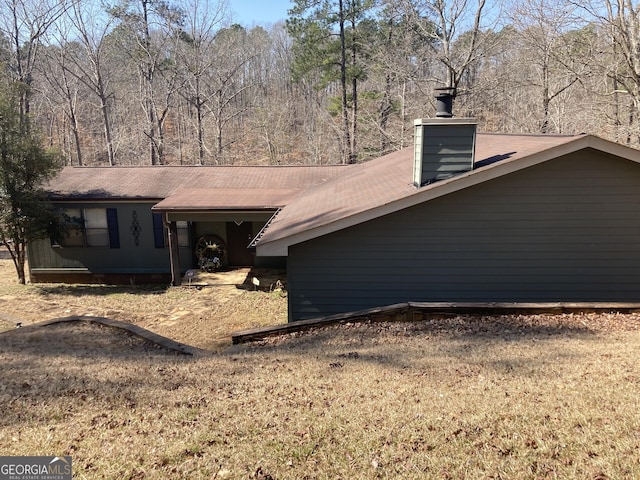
{"x":203,"y":314}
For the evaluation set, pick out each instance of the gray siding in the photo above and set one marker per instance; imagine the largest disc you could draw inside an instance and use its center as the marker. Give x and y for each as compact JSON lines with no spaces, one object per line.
{"x":566,"y":230}
{"x":442,"y":151}
{"x":129,"y":258}
{"x":143,"y":258}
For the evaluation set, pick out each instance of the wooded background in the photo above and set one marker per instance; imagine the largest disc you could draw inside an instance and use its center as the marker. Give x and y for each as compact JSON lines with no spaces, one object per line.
{"x":147,"y":82}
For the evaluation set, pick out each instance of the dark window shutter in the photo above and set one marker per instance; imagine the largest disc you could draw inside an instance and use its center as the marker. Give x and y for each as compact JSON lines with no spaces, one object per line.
{"x":158,"y":230}
{"x":112,"y":223}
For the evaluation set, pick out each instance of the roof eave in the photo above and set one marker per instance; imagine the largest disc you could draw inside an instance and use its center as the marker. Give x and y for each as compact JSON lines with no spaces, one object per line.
{"x":185,"y":210}
{"x":103,"y":199}
{"x":280,"y":246}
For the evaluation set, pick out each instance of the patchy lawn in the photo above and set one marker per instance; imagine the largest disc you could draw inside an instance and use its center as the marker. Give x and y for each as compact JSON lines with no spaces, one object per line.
{"x":203,"y":317}
{"x":513,"y":397}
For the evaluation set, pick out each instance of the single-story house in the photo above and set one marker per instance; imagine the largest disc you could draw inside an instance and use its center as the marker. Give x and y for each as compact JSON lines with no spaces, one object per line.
{"x":143,"y":224}
{"x":459,"y":217}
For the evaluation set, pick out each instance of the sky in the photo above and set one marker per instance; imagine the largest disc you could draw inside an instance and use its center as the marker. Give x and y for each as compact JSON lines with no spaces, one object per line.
{"x":258,"y":12}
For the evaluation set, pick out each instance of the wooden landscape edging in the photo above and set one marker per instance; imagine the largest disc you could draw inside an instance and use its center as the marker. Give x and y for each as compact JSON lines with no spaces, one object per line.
{"x":129,"y":327}
{"x":417,"y":311}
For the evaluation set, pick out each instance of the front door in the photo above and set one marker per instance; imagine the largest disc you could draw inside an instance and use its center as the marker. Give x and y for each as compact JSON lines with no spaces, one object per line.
{"x":238,"y":238}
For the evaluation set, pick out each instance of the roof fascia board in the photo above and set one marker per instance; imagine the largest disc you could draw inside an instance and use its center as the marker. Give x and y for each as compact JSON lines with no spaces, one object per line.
{"x":280,"y":247}
{"x":104,"y":200}
{"x":214,"y":210}
{"x":612,"y":148}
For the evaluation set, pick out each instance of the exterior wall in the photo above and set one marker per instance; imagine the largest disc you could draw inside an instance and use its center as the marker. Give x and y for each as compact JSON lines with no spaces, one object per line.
{"x":566,"y":230}
{"x":136,"y":260}
{"x":271,"y":262}
{"x":219,"y":228}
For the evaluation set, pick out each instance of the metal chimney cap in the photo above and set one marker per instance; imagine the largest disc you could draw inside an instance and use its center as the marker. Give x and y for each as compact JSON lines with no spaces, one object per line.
{"x":450,"y":90}
{"x":444,"y":101}
{"x":445,"y":121}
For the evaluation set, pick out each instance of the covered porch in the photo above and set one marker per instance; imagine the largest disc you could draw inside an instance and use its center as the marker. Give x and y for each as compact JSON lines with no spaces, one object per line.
{"x":228,"y":219}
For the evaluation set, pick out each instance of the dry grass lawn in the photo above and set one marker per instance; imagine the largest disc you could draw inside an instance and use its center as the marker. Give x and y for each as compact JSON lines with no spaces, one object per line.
{"x":535,"y":397}
{"x":202,"y":317}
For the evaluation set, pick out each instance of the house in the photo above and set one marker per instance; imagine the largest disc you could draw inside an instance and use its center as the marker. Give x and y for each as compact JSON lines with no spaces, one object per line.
{"x":460,"y":217}
{"x":129,"y":216}
{"x":532,"y":218}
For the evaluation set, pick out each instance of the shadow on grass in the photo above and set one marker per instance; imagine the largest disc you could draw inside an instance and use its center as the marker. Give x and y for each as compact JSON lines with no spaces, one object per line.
{"x":404,"y":344}
{"x":264,"y":279}
{"x":74,"y":290}
{"x":70,"y":362}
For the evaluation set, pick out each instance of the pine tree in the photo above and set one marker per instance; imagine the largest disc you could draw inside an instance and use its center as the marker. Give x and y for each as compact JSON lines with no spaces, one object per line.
{"x":326,"y":41}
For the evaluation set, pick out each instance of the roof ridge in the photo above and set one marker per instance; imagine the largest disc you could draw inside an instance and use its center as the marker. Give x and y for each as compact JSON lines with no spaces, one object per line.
{"x":112,"y":167}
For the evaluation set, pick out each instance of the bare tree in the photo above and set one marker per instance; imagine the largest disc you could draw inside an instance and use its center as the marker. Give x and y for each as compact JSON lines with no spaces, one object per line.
{"x":547,"y":60}
{"x":78,"y":54}
{"x":88,"y":65}
{"x":61,"y":89}
{"x":441,"y":23}
{"x":24,"y":23}
{"x":193,"y":48}
{"x":148,"y":25}
{"x":227,"y":87}
{"x":619,"y":22}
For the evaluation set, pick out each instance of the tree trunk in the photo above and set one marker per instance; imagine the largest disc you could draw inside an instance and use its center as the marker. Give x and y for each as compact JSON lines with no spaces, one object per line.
{"x":385,"y":104}
{"x":219,"y":128}
{"x":75,"y":130}
{"x":385,"y":114}
{"x":200,"y":127}
{"x":106,"y":126}
{"x":346,"y":142}
{"x":199,"y":103}
{"x":353,"y":147}
{"x":18,"y":256}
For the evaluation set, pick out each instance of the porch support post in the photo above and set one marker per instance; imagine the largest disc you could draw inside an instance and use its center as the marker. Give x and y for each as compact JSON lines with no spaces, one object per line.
{"x":174,"y":253}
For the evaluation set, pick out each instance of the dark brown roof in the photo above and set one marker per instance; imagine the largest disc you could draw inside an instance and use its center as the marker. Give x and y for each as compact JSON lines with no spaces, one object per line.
{"x":334,"y":197}
{"x":202,"y":200}
{"x":385,"y":185}
{"x":160,"y":182}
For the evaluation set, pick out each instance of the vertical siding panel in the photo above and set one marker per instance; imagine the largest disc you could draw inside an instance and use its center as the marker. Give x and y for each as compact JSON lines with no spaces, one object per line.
{"x":123,"y":255}
{"x":566,"y":230}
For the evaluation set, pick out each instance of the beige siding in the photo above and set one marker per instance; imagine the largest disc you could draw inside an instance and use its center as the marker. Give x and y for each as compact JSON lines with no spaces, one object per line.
{"x":566,"y":230}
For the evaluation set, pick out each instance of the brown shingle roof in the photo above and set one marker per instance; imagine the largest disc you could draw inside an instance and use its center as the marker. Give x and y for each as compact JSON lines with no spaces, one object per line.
{"x":334,"y":196}
{"x":227,"y":199}
{"x":160,"y":182}
{"x":385,"y":180}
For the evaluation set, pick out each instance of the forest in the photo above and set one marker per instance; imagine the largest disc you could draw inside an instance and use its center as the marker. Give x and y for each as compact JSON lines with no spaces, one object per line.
{"x":177,"y":82}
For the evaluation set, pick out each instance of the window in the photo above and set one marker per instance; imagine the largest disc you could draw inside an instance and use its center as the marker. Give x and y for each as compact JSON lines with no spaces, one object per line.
{"x":183,"y":234}
{"x":161,"y":233}
{"x":96,"y":229}
{"x":91,"y":227}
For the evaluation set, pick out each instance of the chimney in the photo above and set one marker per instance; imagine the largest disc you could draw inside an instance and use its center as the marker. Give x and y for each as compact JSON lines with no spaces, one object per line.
{"x":443,"y":146}
{"x":444,"y":102}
